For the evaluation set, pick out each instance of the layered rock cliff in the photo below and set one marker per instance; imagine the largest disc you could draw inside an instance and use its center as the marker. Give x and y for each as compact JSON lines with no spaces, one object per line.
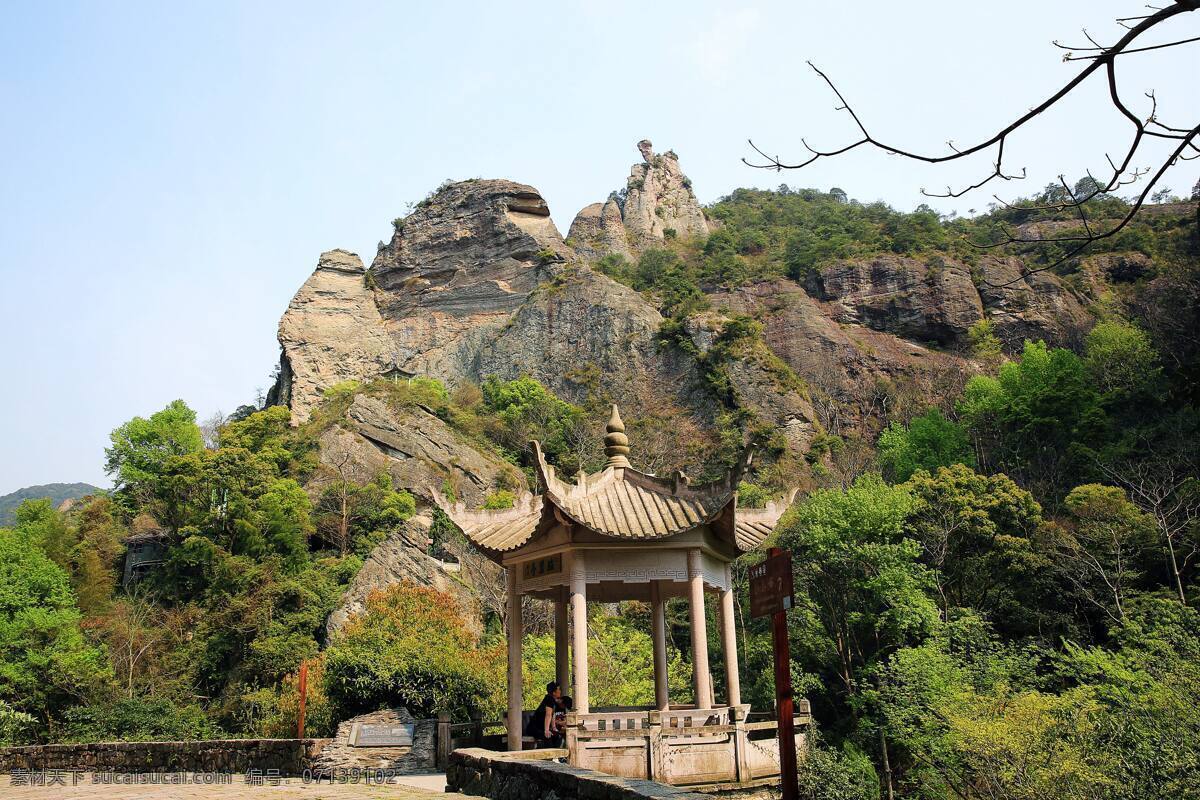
{"x":477,"y":281}
{"x":331,"y":332}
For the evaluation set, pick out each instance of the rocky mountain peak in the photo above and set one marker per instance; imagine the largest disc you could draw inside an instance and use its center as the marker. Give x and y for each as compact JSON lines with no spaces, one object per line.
{"x":331,"y":332}
{"x":455,"y":270}
{"x":657,"y":202}
{"x":472,"y":244}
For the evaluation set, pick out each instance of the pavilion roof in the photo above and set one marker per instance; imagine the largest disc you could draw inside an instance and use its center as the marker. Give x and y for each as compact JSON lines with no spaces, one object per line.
{"x":620,"y":502}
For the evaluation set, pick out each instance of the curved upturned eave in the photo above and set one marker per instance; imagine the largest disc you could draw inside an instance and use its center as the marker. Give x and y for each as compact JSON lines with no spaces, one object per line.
{"x":752,"y":526}
{"x":496,"y":531}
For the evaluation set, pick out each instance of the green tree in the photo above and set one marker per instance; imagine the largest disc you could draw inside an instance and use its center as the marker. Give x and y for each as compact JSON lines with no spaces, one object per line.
{"x":928,"y":442}
{"x":1145,"y":689}
{"x":266,"y":433}
{"x":1102,"y":550}
{"x":525,"y":410}
{"x":141,"y":447}
{"x":46,"y":529}
{"x":1032,"y":419}
{"x":977,"y":532}
{"x":412,"y":648}
{"x":46,"y":665}
{"x":862,"y":582}
{"x":985,"y":345}
{"x":1122,"y":362}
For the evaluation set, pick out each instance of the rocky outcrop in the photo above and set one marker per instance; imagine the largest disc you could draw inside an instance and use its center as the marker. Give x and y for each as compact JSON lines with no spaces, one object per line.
{"x":584,"y":333}
{"x":452,"y":274}
{"x":1030,"y":306}
{"x":400,"y":557}
{"x":331,"y":332}
{"x":936,"y":300}
{"x":599,"y":230}
{"x":928,"y":301}
{"x":458,"y":267}
{"x":415,"y":447}
{"x":657,"y":201}
{"x":845,"y":365}
{"x":759,"y":381}
{"x":420,"y":452}
{"x":338,"y":757}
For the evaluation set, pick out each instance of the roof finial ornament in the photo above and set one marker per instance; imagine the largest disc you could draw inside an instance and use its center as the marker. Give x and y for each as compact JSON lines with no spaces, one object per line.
{"x":616,"y":443}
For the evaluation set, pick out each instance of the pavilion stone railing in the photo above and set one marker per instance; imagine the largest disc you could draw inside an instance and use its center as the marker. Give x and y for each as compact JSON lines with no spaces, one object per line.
{"x":680,"y":747}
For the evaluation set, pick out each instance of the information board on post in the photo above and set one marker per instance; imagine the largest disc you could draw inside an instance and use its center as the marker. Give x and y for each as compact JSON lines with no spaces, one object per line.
{"x":771,"y":588}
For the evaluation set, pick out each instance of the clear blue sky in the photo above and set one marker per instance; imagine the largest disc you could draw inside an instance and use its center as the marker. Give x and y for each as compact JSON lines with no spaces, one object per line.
{"x":170,"y":171}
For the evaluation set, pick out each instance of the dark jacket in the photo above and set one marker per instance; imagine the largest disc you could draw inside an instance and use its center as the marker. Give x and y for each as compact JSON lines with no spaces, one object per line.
{"x":536,"y":726}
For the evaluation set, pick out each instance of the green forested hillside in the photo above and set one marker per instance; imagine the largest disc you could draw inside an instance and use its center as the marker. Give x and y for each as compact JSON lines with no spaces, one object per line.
{"x":996,"y":594}
{"x":56,"y":492}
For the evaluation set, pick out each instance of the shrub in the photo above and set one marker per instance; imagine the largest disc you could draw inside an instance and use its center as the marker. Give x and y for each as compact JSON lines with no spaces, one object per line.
{"x":16,"y":728}
{"x":342,"y":389}
{"x":499,"y":499}
{"x":751,"y":495}
{"x":137,"y":719}
{"x":412,"y":648}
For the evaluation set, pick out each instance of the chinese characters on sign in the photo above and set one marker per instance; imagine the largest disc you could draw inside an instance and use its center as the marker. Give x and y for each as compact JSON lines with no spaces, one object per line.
{"x":542,"y":566}
{"x":771,"y":587}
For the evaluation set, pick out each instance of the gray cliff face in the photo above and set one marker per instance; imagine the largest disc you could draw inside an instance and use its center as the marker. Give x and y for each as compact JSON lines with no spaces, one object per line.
{"x":478,"y":282}
{"x":419,"y":452}
{"x":458,"y":267}
{"x":1024,"y":306}
{"x":599,"y":230}
{"x":415,"y":447}
{"x":332,"y":332}
{"x":584,"y":333}
{"x":658,"y":198}
{"x":928,"y":302}
{"x":843,"y":363}
{"x":400,"y":557}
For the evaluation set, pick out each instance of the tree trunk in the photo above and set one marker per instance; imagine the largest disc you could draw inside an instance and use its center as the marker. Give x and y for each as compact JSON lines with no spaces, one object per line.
{"x":887,"y":765}
{"x":344,"y":524}
{"x":1175,"y":570}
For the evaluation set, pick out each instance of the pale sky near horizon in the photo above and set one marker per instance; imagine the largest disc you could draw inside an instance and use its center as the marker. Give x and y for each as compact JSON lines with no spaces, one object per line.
{"x":172,"y":171}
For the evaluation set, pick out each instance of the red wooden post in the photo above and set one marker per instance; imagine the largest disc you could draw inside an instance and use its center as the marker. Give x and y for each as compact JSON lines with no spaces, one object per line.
{"x":303,"y":692}
{"x":785,"y":710}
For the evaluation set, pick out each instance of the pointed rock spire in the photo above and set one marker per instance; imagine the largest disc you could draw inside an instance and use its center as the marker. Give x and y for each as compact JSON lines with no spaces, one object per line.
{"x":616,"y":443}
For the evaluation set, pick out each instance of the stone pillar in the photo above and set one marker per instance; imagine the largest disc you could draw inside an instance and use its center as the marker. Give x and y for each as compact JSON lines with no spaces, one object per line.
{"x":729,"y":641}
{"x":702,"y":681}
{"x":658,"y":633}
{"x":579,"y":647}
{"x":562,"y":656}
{"x":515,"y":633}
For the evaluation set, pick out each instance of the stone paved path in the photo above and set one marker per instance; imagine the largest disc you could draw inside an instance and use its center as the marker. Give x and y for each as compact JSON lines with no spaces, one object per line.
{"x":288,"y":789}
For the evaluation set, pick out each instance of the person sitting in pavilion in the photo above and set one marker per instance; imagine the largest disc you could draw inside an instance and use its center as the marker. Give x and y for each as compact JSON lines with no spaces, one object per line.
{"x":542,"y":726}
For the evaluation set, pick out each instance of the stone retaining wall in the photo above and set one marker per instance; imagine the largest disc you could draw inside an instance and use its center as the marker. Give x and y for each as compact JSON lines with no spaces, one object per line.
{"x":289,"y":756}
{"x":536,"y":773}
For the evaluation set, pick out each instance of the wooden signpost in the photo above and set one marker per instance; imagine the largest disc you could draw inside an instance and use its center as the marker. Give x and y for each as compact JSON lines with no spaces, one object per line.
{"x":302,"y":690}
{"x":772,"y":594}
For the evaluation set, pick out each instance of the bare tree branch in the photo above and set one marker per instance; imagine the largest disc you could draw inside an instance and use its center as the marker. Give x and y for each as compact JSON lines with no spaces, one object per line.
{"x":1123,"y":173}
